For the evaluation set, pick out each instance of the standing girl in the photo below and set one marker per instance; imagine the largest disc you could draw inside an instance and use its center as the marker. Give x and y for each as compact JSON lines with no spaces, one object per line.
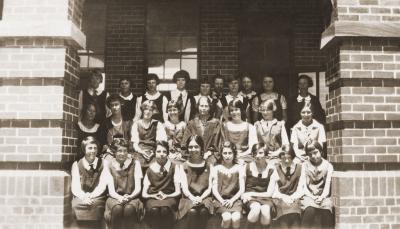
{"x":196,"y":203}
{"x":123,"y":208}
{"x":228,"y":184}
{"x":259,"y":187}
{"x":161,"y":187}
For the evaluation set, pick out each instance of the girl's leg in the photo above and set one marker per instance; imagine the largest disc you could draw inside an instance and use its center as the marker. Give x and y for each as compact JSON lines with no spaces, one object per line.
{"x":203,"y":215}
{"x":326,"y":218}
{"x":153,"y":217}
{"x":265,"y":214}
{"x":226,"y":220}
{"x":116,"y":216}
{"x":289,"y":221}
{"x":130,"y":216}
{"x":308,"y":219}
{"x":192,"y":218}
{"x":236,"y":219}
{"x":254,"y":214}
{"x":168,"y":217}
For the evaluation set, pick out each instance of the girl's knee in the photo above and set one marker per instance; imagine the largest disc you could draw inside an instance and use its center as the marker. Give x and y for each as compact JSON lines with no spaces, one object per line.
{"x":265,"y":210}
{"x":255,"y":206}
{"x":236,"y":219}
{"x":226,"y":216}
{"x":129,"y":211}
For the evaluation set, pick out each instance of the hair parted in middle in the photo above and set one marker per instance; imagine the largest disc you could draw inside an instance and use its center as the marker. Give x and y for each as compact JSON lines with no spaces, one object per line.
{"x":237,"y":103}
{"x":198,"y":139}
{"x":230,"y":145}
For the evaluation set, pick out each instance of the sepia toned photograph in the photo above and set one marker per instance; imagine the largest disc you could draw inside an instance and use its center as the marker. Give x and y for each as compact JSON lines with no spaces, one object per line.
{"x":199,"y":114}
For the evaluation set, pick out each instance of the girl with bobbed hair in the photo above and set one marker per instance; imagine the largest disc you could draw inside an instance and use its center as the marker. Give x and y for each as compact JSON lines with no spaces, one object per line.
{"x":270,"y":131}
{"x":288,"y":191}
{"x":145,"y":132}
{"x":89,"y":181}
{"x":196,"y":202}
{"x":123,"y":207}
{"x":161,"y":188}
{"x":175,"y":128}
{"x":316,"y":177}
{"x":207,"y":127}
{"x":228,"y":184}
{"x":239,"y":132}
{"x":259,"y":187}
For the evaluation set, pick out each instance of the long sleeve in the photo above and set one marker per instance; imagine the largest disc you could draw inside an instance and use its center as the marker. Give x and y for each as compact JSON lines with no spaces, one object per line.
{"x":76,"y":182}
{"x":138,"y":113}
{"x":164,"y":107}
{"x":104,"y":178}
{"x":252,"y":137}
{"x":284,"y":136}
{"x":328,"y":181}
{"x":80,"y":103}
{"x":161,"y":134}
{"x":135,"y":136}
{"x":321,"y":134}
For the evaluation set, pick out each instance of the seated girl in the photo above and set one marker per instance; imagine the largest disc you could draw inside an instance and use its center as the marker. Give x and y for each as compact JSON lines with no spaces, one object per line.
{"x":123,"y":208}
{"x":239,"y":132}
{"x":259,"y":187}
{"x":174,"y":129}
{"x":270,"y":131}
{"x":287,"y":192}
{"x":161,"y":187}
{"x":228,"y":184}
{"x":207,"y":127}
{"x":315,"y":179}
{"x":196,"y":203}
{"x":114,"y":126}
{"x":145,"y":132}
{"x":89,"y":181}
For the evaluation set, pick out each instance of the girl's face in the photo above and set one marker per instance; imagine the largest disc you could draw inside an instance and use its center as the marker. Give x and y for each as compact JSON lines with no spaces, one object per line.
{"x":122,"y":154}
{"x":236,"y":114}
{"x":125,"y":86}
{"x":94,"y":82}
{"x":161,"y":154}
{"x":233,"y":86}
{"x":268,"y":83}
{"x":218,"y":84}
{"x":91,"y":113}
{"x":194,"y":148}
{"x":306,"y":115}
{"x":260,"y":154}
{"x":147,"y":113}
{"x":205,"y":89}
{"x":173,"y":112}
{"x":227,"y":155}
{"x":181,"y":83}
{"x":247,"y":84}
{"x":266,"y":113}
{"x":152,"y":85}
{"x":303,"y":84}
{"x":90,"y":152}
{"x":315,"y":156}
{"x":204,"y":108}
{"x":286,"y":159}
{"x":115,"y":107}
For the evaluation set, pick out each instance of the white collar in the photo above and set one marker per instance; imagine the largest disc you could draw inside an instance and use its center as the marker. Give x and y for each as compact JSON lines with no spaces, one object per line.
{"x":301,"y":98}
{"x":156,"y":167}
{"x":199,"y":165}
{"x":228,"y":171}
{"x":86,"y":164}
{"x":88,"y":130}
{"x":239,"y":96}
{"x":269,"y":123}
{"x":175,"y":94}
{"x":197,"y":97}
{"x":249,"y":95}
{"x":117,"y":165}
{"x":254,"y":170}
{"x":152,"y":97}
{"x":129,"y":97}
{"x":116,"y":124}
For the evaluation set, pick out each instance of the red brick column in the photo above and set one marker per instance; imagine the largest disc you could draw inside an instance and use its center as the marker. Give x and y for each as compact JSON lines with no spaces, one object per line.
{"x":363,"y":46}
{"x":39,"y":69}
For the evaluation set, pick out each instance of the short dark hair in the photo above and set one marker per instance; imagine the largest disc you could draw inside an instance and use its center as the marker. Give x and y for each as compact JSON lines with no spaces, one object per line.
{"x":113,"y":98}
{"x":152,"y":76}
{"x":199,"y":140}
{"x":181,"y":74}
{"x":118,"y":143}
{"x":236,"y":103}
{"x":233,"y":78}
{"x":96,"y":73}
{"x":308,"y":78}
{"x":256,"y":147}
{"x":204,"y":80}
{"x":211,"y":104}
{"x":246,"y":75}
{"x":290,"y":152}
{"x":310,"y":146}
{"x":163,"y":144}
{"x":86,"y":107}
{"x":125,"y":78}
{"x":228,"y":144}
{"x":219,"y":76}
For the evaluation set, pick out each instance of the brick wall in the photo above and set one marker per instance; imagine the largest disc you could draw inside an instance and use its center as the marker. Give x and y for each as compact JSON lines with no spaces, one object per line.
{"x":368,"y":10}
{"x":125,"y":44}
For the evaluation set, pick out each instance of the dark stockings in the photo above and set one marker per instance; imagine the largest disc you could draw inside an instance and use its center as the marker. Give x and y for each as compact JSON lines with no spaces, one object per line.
{"x":197,"y":217}
{"x":289,"y":221}
{"x":160,"y":218}
{"x":316,"y":218}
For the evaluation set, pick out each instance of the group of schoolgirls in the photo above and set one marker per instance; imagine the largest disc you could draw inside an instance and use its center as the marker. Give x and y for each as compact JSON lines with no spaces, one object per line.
{"x":182,"y":158}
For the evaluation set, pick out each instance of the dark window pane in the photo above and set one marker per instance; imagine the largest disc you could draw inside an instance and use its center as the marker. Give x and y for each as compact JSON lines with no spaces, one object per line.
{"x":155,"y":44}
{"x":172,"y":44}
{"x":172,"y":65}
{"x":156,"y":64}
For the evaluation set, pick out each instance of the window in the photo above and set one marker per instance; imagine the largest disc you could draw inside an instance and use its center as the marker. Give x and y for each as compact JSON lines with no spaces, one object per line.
{"x":319,"y":89}
{"x":172,"y":39}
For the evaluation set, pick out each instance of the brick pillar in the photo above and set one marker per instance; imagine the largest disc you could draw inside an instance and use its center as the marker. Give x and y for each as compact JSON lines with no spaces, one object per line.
{"x":219,"y":38}
{"x":39,"y":69}
{"x":363,"y":46}
{"x":125,"y":44}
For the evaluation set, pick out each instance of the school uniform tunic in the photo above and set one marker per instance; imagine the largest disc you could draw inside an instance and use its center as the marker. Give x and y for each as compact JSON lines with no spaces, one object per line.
{"x":198,"y":182}
{"x":287,"y":182}
{"x":297,"y":104}
{"x":258,"y":181}
{"x":228,"y":185}
{"x":88,"y":178}
{"x":279,"y":100}
{"x":128,"y":106}
{"x":84,"y":132}
{"x":124,"y":176}
{"x":188,"y":102}
{"x":174,"y":134}
{"x":162,"y":178}
{"x":273,"y":135}
{"x":160,"y":101}
{"x":96,"y":97}
{"x":317,"y":184}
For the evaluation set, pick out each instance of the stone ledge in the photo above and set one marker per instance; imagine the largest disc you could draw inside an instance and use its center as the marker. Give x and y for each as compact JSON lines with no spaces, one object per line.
{"x":359,"y":29}
{"x":366,"y":174}
{"x":66,"y":30}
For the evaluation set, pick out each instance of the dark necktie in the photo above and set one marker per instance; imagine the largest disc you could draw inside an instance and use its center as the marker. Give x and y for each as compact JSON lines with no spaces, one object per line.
{"x":163,"y":171}
{"x":121,"y":165}
{"x":91,"y":167}
{"x":287,"y":172}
